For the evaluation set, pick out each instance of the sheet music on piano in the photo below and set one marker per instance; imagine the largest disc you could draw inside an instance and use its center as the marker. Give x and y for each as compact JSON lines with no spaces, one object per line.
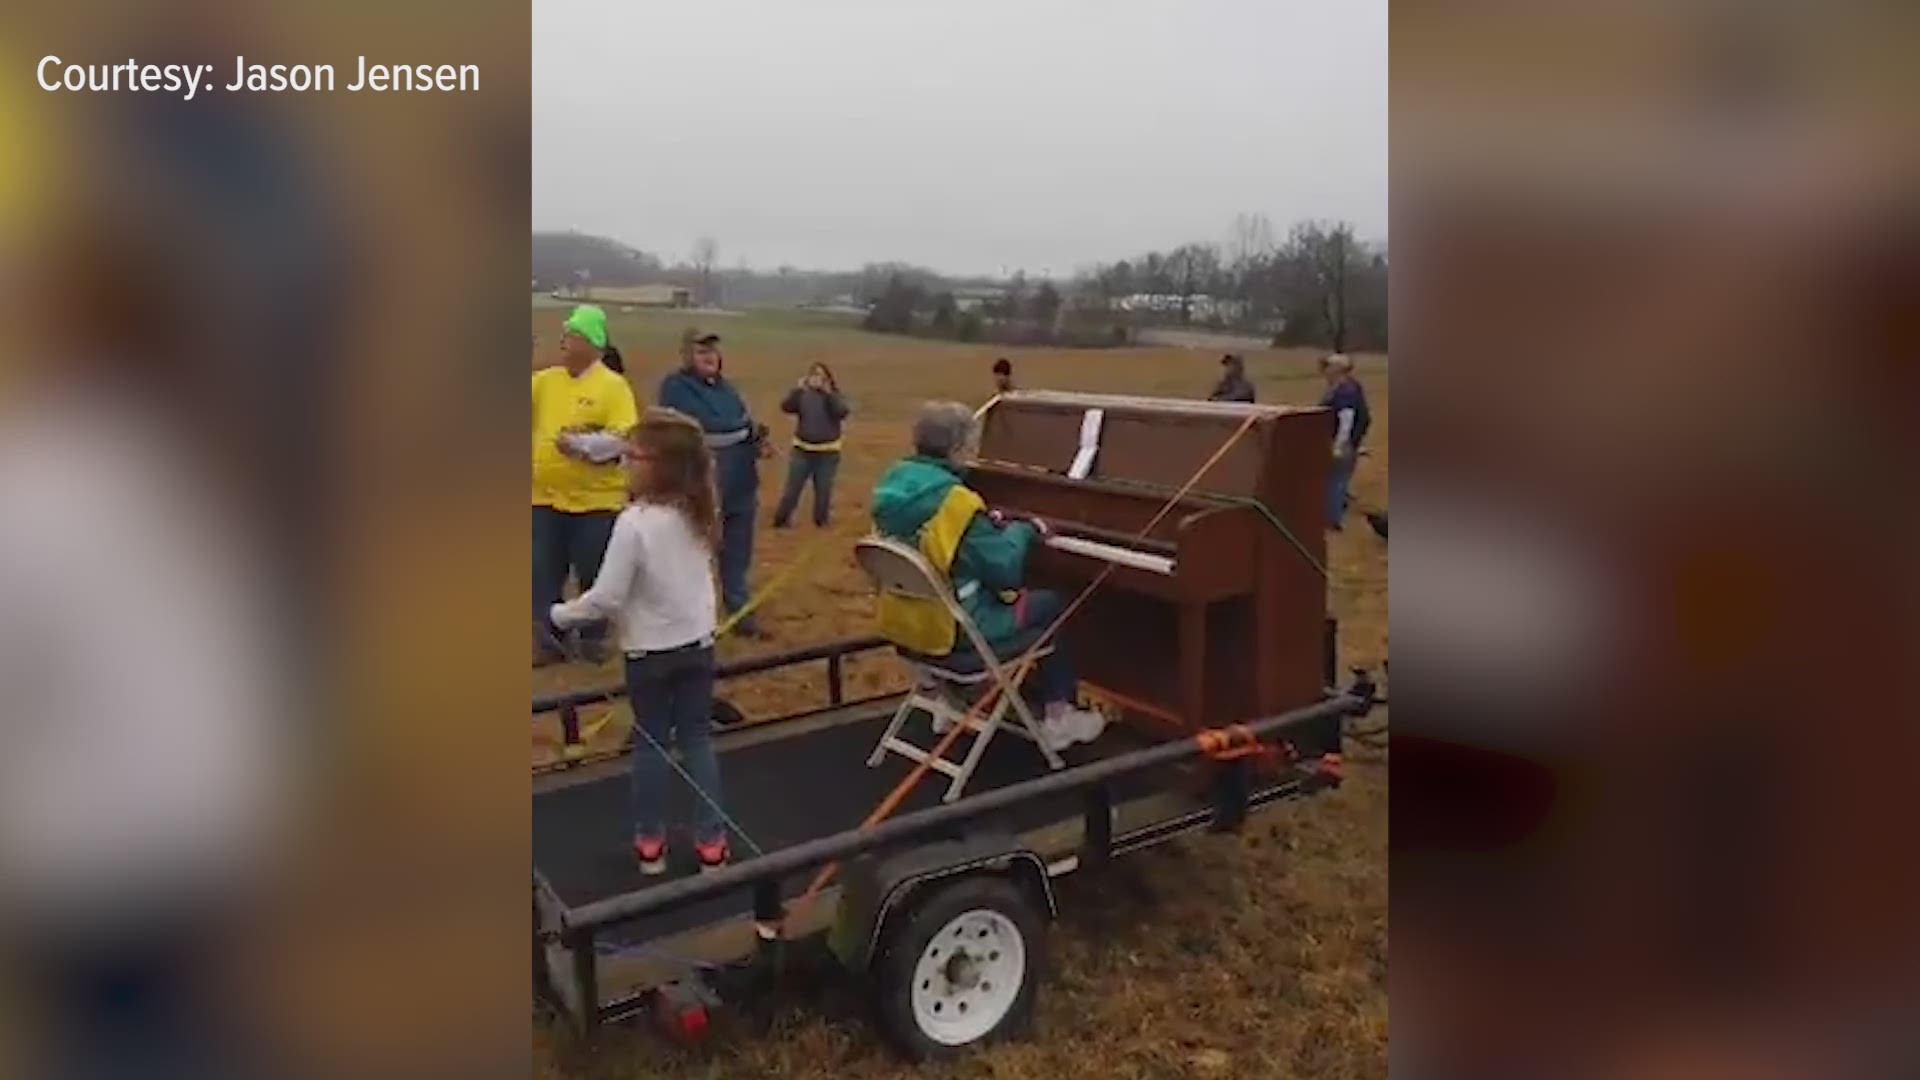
{"x":1082,"y":466}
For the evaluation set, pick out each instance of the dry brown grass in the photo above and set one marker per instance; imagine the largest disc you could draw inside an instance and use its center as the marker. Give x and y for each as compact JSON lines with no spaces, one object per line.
{"x":1263,"y":955}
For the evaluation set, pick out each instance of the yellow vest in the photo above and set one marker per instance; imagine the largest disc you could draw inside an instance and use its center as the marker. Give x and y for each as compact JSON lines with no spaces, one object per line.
{"x":921,"y":625}
{"x":598,"y":398}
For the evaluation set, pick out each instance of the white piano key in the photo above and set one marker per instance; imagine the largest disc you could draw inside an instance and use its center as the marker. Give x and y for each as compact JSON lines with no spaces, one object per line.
{"x":1094,"y":549}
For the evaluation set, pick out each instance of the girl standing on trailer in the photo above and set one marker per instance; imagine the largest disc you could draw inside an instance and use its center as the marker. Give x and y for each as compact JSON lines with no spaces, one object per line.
{"x":657,"y":579}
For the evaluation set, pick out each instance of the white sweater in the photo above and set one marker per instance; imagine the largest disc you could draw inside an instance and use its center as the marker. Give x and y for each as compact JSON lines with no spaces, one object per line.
{"x":656,"y":580}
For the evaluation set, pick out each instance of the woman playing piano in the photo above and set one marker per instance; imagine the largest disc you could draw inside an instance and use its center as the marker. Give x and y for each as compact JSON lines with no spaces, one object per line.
{"x":923,"y":500}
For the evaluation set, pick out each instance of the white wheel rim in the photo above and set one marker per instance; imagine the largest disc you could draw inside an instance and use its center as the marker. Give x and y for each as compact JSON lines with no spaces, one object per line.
{"x":968,"y":977}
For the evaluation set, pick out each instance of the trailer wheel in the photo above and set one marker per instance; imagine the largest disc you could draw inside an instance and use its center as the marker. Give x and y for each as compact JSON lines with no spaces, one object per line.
{"x":961,"y":968}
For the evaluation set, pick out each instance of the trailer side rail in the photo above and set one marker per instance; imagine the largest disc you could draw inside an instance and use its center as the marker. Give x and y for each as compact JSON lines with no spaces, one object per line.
{"x":568,"y":703}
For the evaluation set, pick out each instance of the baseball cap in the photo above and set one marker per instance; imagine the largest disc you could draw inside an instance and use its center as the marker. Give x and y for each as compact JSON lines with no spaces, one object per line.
{"x":589,"y":322}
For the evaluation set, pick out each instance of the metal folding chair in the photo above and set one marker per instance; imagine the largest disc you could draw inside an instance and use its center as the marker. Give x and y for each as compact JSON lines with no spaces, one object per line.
{"x":944,"y":692}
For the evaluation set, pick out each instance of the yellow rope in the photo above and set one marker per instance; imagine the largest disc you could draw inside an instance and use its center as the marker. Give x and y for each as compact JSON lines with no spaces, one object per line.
{"x":587,"y":733}
{"x":779,"y":582}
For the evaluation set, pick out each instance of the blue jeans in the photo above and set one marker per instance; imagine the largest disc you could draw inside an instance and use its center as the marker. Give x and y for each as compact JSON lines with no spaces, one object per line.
{"x":672,"y":696}
{"x":1337,"y":482}
{"x":1053,"y":679}
{"x":736,"y":558}
{"x":561,"y":542}
{"x":819,"y":466}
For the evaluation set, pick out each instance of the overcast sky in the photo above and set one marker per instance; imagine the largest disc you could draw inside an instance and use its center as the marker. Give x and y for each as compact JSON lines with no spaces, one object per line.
{"x":966,"y":135}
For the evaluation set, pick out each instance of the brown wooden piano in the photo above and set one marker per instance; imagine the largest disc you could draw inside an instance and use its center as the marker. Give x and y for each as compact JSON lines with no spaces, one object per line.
{"x":1214,"y":617}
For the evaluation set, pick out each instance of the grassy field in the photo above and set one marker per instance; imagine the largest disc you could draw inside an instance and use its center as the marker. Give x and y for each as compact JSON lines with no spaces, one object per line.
{"x":1263,"y":955}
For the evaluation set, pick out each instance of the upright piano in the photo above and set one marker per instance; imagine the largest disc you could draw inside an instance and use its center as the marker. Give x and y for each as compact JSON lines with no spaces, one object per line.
{"x":1213,"y":616}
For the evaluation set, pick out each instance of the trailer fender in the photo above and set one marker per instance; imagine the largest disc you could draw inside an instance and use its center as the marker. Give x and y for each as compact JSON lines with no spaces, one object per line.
{"x":874,"y":890}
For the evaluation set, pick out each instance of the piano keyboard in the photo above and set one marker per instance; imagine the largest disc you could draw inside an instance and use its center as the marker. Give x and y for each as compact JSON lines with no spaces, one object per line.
{"x":1094,"y":549}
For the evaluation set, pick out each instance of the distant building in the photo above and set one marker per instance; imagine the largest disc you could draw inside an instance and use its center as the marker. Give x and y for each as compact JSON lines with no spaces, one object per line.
{"x":658,"y":296}
{"x":973,"y":298}
{"x":1200,"y":305}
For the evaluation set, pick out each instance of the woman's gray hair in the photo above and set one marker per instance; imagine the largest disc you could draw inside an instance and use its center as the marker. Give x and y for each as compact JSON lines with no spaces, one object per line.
{"x":1337,"y":362}
{"x":943,"y":429}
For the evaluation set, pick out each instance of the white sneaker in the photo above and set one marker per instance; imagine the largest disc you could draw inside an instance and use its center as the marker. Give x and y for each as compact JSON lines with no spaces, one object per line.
{"x":1070,"y":726}
{"x":941,"y":722}
{"x":1058,"y":731}
{"x":1082,"y":725}
{"x":1089,"y":724}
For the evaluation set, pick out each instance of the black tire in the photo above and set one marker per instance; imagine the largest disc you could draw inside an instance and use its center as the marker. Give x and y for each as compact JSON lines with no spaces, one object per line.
{"x":910,"y":933}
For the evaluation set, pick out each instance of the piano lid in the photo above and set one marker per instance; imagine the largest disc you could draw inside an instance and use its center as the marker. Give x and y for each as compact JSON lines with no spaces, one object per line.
{"x":1160,"y":442}
{"x":1063,"y":399}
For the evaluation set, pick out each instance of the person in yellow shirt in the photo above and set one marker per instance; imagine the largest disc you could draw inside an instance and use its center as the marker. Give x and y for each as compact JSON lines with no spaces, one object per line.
{"x":581,"y":409}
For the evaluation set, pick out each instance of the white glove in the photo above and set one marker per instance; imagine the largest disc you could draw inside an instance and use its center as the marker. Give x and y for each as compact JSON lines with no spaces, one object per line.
{"x":1340,"y":450}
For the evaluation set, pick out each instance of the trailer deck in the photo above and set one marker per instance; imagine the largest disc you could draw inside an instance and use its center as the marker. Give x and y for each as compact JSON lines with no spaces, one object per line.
{"x":785,"y":784}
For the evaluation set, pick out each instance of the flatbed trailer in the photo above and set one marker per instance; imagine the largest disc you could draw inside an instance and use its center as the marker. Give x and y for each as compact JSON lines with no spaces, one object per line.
{"x":931,"y":905}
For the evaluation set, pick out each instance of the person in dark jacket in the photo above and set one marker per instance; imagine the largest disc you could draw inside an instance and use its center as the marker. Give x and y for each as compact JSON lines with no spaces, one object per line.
{"x":1002,"y":376}
{"x":1352,"y":418}
{"x":1233,"y":384}
{"x":700,"y":391}
{"x":818,"y":410}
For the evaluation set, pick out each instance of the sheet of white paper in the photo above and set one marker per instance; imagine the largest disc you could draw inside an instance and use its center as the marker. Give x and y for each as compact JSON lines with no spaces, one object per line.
{"x":1089,"y":445}
{"x":1090,"y":427}
{"x":598,"y":446}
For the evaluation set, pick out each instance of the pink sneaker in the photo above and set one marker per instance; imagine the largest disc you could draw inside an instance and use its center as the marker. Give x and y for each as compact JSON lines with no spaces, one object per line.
{"x":712,"y":855}
{"x":652,"y":853}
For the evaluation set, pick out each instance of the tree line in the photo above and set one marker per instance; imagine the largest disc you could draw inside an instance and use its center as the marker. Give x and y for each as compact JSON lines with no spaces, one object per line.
{"x":1318,"y":284}
{"x":574,"y":262}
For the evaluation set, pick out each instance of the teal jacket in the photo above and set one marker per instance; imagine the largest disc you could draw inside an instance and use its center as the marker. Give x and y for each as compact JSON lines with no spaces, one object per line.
{"x":993,"y":555}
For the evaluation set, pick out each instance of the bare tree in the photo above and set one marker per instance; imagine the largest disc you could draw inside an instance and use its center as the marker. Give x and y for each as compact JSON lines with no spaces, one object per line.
{"x":1249,"y":254}
{"x":1318,"y":262}
{"x":1013,"y":303}
{"x":1249,"y":240}
{"x":1106,"y":282}
{"x":1045,"y":307}
{"x":1332,"y":261}
{"x":1153,"y":273}
{"x":1191,"y":269}
{"x":706,"y":254}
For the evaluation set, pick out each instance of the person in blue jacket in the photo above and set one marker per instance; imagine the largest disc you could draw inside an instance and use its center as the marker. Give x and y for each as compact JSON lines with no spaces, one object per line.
{"x":1352,"y":418}
{"x":699,"y":390}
